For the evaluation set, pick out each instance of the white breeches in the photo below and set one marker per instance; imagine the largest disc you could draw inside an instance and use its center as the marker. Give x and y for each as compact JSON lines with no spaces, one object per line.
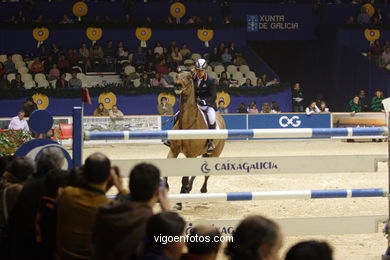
{"x":210,"y":113}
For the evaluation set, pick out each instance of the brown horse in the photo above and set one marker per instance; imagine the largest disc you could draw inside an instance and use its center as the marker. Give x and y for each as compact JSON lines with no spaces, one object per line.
{"x":190,"y":117}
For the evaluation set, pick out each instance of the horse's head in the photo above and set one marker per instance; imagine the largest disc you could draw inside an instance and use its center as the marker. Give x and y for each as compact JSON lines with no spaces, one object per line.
{"x":184,"y":83}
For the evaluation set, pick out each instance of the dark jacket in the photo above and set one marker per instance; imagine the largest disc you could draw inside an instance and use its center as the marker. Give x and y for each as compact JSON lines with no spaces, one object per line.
{"x":298,"y":98}
{"x":58,"y":84}
{"x":206,"y":89}
{"x":119,"y":228}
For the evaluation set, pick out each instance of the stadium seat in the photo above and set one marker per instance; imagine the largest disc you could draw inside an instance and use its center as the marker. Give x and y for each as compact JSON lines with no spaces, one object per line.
{"x":39,"y":77}
{"x":3,"y":58}
{"x":137,"y":83}
{"x":213,"y":75}
{"x":23,"y":70}
{"x":241,"y":81}
{"x":244,"y":69}
{"x":129,"y":69}
{"x":29,"y":64}
{"x":173,"y":75}
{"x":254,"y":80}
{"x":131,"y":57}
{"x":209,"y":69}
{"x":195,"y":57}
{"x":68,"y":76}
{"x":78,"y":69}
{"x":29,"y":84}
{"x":84,"y":82}
{"x":11,"y":76}
{"x":231,"y":69}
{"x":20,"y":64}
{"x":16,"y":58}
{"x":188,"y":62}
{"x":237,"y":75}
{"x":250,"y":74}
{"x":219,"y":69}
{"x":53,"y":83}
{"x":43,"y":83}
{"x":26,"y":77}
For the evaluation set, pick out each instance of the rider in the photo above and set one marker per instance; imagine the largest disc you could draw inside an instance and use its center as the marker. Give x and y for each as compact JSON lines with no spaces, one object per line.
{"x":205,"y":94}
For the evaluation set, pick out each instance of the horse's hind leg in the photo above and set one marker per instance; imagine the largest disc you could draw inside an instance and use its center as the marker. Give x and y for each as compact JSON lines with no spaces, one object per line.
{"x":185,"y":185}
{"x":206,"y":178}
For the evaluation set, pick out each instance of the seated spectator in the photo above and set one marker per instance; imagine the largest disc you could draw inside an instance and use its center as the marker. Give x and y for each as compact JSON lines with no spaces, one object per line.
{"x":376,"y":102}
{"x":96,"y":57}
{"x":11,"y":184}
{"x":256,"y":237}
{"x":158,"y":49}
{"x":226,"y":57}
{"x":185,"y":52}
{"x":109,"y":56}
{"x":39,"y":20}
{"x":385,"y":58}
{"x":115,"y":114}
{"x":48,"y":65}
{"x":169,"y":20}
{"x":150,"y":56}
{"x":252,"y":109}
{"x":19,"y":122}
{"x":73,"y":57}
{"x":206,"y":250}
{"x":66,"y":20}
{"x":171,"y":48}
{"x":9,"y":65}
{"x":43,"y":52}
{"x":241,"y":108}
{"x":310,"y":250}
{"x":158,"y":81}
{"x":221,"y":108}
{"x":248,"y":83}
{"x":54,"y":73}
{"x":120,"y":225}
{"x":55,"y":51}
{"x":323,"y":107}
{"x":354,"y":105}
{"x":74,"y":82}
{"x":29,"y":106}
{"x":37,"y":66}
{"x":233,"y":83}
{"x":128,"y":19}
{"x":164,"y":224}
{"x":312,"y":108}
{"x":363,"y":101}
{"x":2,"y":70}
{"x":22,"y":218}
{"x":100,"y":110}
{"x":275,"y":109}
{"x":164,"y":108}
{"x":223,"y":80}
{"x":84,"y":55}
{"x":62,"y":82}
{"x":227,"y":20}
{"x":145,"y":81}
{"x":272,"y":82}
{"x":232,"y":48}
{"x":265,"y":108}
{"x":45,"y":220}
{"x":260,"y":83}
{"x":121,"y":51}
{"x":161,"y":68}
{"x":376,"y":49}
{"x":17,"y":83}
{"x":176,"y":56}
{"x":4,"y":83}
{"x":139,"y":58}
{"x":363,"y":18}
{"x":214,"y":58}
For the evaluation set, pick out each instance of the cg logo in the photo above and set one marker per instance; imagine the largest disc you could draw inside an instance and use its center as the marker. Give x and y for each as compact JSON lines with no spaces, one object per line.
{"x":205,"y":168}
{"x":294,"y":121}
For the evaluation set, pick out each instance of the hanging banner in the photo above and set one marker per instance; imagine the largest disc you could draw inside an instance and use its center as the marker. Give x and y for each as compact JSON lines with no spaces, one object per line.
{"x":143,"y":34}
{"x":80,"y":9}
{"x":94,"y":34}
{"x":40,"y":35}
{"x":177,"y":10}
{"x":205,"y":36}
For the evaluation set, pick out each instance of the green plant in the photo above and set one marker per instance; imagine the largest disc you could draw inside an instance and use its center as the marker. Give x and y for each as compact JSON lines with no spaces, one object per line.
{"x":11,"y":140}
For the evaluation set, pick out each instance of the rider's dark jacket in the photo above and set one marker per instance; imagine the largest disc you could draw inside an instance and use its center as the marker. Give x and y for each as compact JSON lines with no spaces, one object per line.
{"x":206,"y":89}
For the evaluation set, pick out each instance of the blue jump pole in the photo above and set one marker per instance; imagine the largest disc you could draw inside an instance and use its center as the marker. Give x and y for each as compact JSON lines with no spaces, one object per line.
{"x":77,"y":144}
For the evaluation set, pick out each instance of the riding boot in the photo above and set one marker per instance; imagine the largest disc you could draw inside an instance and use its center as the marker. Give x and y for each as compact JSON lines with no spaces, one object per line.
{"x":210,"y":144}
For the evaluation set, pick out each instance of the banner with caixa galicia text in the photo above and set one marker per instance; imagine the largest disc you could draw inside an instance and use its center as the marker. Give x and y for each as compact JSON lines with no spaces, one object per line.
{"x":281,"y":23}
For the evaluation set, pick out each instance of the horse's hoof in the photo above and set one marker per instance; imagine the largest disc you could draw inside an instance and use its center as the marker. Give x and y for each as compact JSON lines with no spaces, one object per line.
{"x":178,"y":206}
{"x":203,"y":189}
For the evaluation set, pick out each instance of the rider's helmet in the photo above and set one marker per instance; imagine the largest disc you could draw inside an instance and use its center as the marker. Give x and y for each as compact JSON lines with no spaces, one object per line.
{"x":201,"y":64}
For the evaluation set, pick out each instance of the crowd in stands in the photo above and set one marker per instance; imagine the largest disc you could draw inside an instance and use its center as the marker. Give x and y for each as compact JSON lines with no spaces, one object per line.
{"x":145,"y":67}
{"x":50,"y":213}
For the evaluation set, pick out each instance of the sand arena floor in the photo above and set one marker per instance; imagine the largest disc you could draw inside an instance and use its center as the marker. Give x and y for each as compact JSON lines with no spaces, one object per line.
{"x":357,"y":247}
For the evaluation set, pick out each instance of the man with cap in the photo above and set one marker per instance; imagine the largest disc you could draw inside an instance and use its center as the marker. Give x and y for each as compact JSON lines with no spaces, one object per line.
{"x":205,"y":94}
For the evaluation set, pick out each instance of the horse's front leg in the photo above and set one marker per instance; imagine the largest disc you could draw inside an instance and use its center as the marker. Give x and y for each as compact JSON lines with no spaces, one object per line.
{"x":204,"y":186}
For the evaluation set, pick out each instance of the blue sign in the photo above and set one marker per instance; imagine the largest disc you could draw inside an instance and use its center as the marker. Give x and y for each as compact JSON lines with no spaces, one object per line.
{"x":289,"y":121}
{"x":252,"y":23}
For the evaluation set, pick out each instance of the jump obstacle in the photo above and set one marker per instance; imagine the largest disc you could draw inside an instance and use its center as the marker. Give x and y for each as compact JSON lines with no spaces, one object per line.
{"x":259,"y":165}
